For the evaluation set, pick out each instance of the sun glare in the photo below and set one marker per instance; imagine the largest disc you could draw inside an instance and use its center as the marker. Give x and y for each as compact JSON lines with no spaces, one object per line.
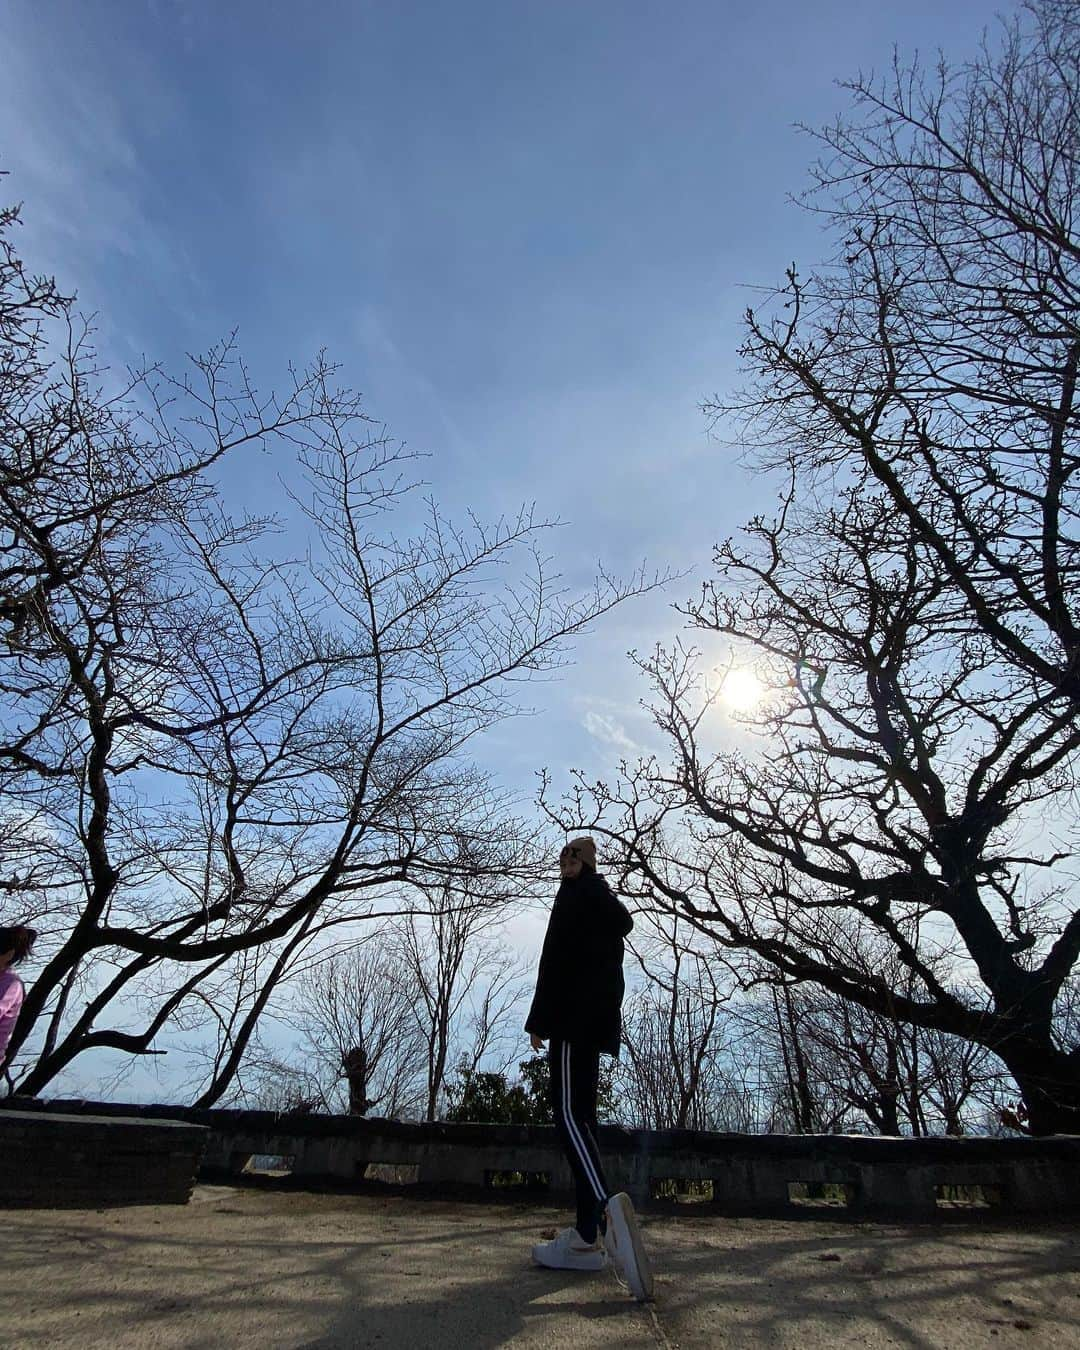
{"x":741,"y":690}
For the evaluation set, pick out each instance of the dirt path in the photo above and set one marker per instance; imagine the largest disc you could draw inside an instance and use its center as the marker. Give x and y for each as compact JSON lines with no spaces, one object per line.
{"x":296,"y":1271}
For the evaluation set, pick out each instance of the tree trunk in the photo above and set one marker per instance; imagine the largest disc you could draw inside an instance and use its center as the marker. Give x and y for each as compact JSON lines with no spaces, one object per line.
{"x":885,"y":1111}
{"x":355,"y":1064}
{"x":1049,"y":1082}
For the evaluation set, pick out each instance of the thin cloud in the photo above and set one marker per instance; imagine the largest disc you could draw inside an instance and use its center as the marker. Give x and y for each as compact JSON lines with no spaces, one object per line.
{"x":608,"y":731}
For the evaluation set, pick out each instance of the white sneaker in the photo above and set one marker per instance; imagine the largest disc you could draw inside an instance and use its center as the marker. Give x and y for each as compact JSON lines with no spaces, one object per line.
{"x":624,"y":1247}
{"x":568,"y":1251}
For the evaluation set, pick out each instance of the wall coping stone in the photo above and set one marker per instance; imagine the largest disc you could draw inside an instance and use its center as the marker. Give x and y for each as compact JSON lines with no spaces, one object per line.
{"x":903,"y":1150}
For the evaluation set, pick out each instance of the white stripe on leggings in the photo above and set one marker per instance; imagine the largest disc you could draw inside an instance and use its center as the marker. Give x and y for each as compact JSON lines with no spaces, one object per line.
{"x":572,"y":1129}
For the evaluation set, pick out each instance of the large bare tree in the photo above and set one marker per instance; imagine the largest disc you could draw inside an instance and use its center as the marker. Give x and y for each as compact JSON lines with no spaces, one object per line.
{"x":911,"y":606}
{"x":222,"y":736}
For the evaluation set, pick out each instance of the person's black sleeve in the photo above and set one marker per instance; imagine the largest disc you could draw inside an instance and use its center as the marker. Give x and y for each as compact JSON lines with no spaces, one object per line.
{"x":552,"y":974}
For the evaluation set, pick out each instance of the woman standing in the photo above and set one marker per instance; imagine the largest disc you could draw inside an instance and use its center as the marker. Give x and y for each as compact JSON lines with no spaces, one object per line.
{"x":579,"y":991}
{"x":15,"y":944}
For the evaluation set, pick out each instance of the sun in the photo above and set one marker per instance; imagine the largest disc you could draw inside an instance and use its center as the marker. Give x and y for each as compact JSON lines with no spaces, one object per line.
{"x":741,"y":690}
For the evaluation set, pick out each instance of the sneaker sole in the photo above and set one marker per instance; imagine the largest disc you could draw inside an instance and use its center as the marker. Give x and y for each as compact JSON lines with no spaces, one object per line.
{"x":626,"y":1248}
{"x":589,"y":1269}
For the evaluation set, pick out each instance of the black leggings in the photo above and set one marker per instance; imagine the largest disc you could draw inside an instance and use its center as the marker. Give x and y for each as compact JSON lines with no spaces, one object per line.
{"x":575,"y":1077}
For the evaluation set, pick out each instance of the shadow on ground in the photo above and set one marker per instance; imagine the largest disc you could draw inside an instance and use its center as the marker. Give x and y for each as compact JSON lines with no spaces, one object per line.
{"x":239,"y":1268}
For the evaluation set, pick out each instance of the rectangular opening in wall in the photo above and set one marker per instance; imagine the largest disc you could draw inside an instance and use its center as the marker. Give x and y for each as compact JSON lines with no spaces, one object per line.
{"x":820,"y":1194}
{"x":269,"y":1165}
{"x":390,"y":1174}
{"x":967,"y":1196}
{"x":683,"y":1190}
{"x":517,"y":1181}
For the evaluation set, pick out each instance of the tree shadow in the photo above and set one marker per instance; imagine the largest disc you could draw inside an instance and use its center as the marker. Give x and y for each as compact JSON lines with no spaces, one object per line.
{"x":446,"y":1281}
{"x":243,"y":1268}
{"x":896,"y":1285}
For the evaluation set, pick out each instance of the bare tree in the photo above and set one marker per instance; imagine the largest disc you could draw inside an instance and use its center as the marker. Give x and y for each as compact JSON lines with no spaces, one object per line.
{"x":807,"y":1108}
{"x":847,"y":1065}
{"x":356,"y":1015}
{"x":493,"y":1033}
{"x":383,"y":1018}
{"x":844,"y":1067}
{"x":673,"y":1071}
{"x":213,"y":753}
{"x":270,"y":1081}
{"x":939,"y":352}
{"x":462,"y":986}
{"x":959,"y":1081}
{"x":911,"y":605}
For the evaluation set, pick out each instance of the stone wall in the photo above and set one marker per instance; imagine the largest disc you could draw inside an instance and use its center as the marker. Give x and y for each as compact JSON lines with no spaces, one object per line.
{"x":737,"y":1174}
{"x":84,"y":1161}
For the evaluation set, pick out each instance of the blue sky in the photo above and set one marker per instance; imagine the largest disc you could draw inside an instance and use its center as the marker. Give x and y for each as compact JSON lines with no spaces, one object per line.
{"x":524,"y":229}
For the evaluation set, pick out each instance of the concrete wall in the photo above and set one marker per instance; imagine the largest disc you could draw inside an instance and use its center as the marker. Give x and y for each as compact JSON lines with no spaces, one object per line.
{"x":749,"y":1174}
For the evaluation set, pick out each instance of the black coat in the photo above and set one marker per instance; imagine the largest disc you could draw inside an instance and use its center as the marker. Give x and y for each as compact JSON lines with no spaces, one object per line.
{"x":579,"y":984}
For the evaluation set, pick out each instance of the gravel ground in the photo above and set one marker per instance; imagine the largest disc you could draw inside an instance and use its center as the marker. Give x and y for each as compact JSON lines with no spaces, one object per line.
{"x":292,"y":1270}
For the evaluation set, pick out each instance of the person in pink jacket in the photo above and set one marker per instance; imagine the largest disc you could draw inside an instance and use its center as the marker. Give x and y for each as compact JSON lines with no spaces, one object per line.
{"x":15,"y":944}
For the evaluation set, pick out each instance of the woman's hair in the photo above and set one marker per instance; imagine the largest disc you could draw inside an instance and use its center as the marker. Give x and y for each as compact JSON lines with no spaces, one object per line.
{"x":17,"y":937}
